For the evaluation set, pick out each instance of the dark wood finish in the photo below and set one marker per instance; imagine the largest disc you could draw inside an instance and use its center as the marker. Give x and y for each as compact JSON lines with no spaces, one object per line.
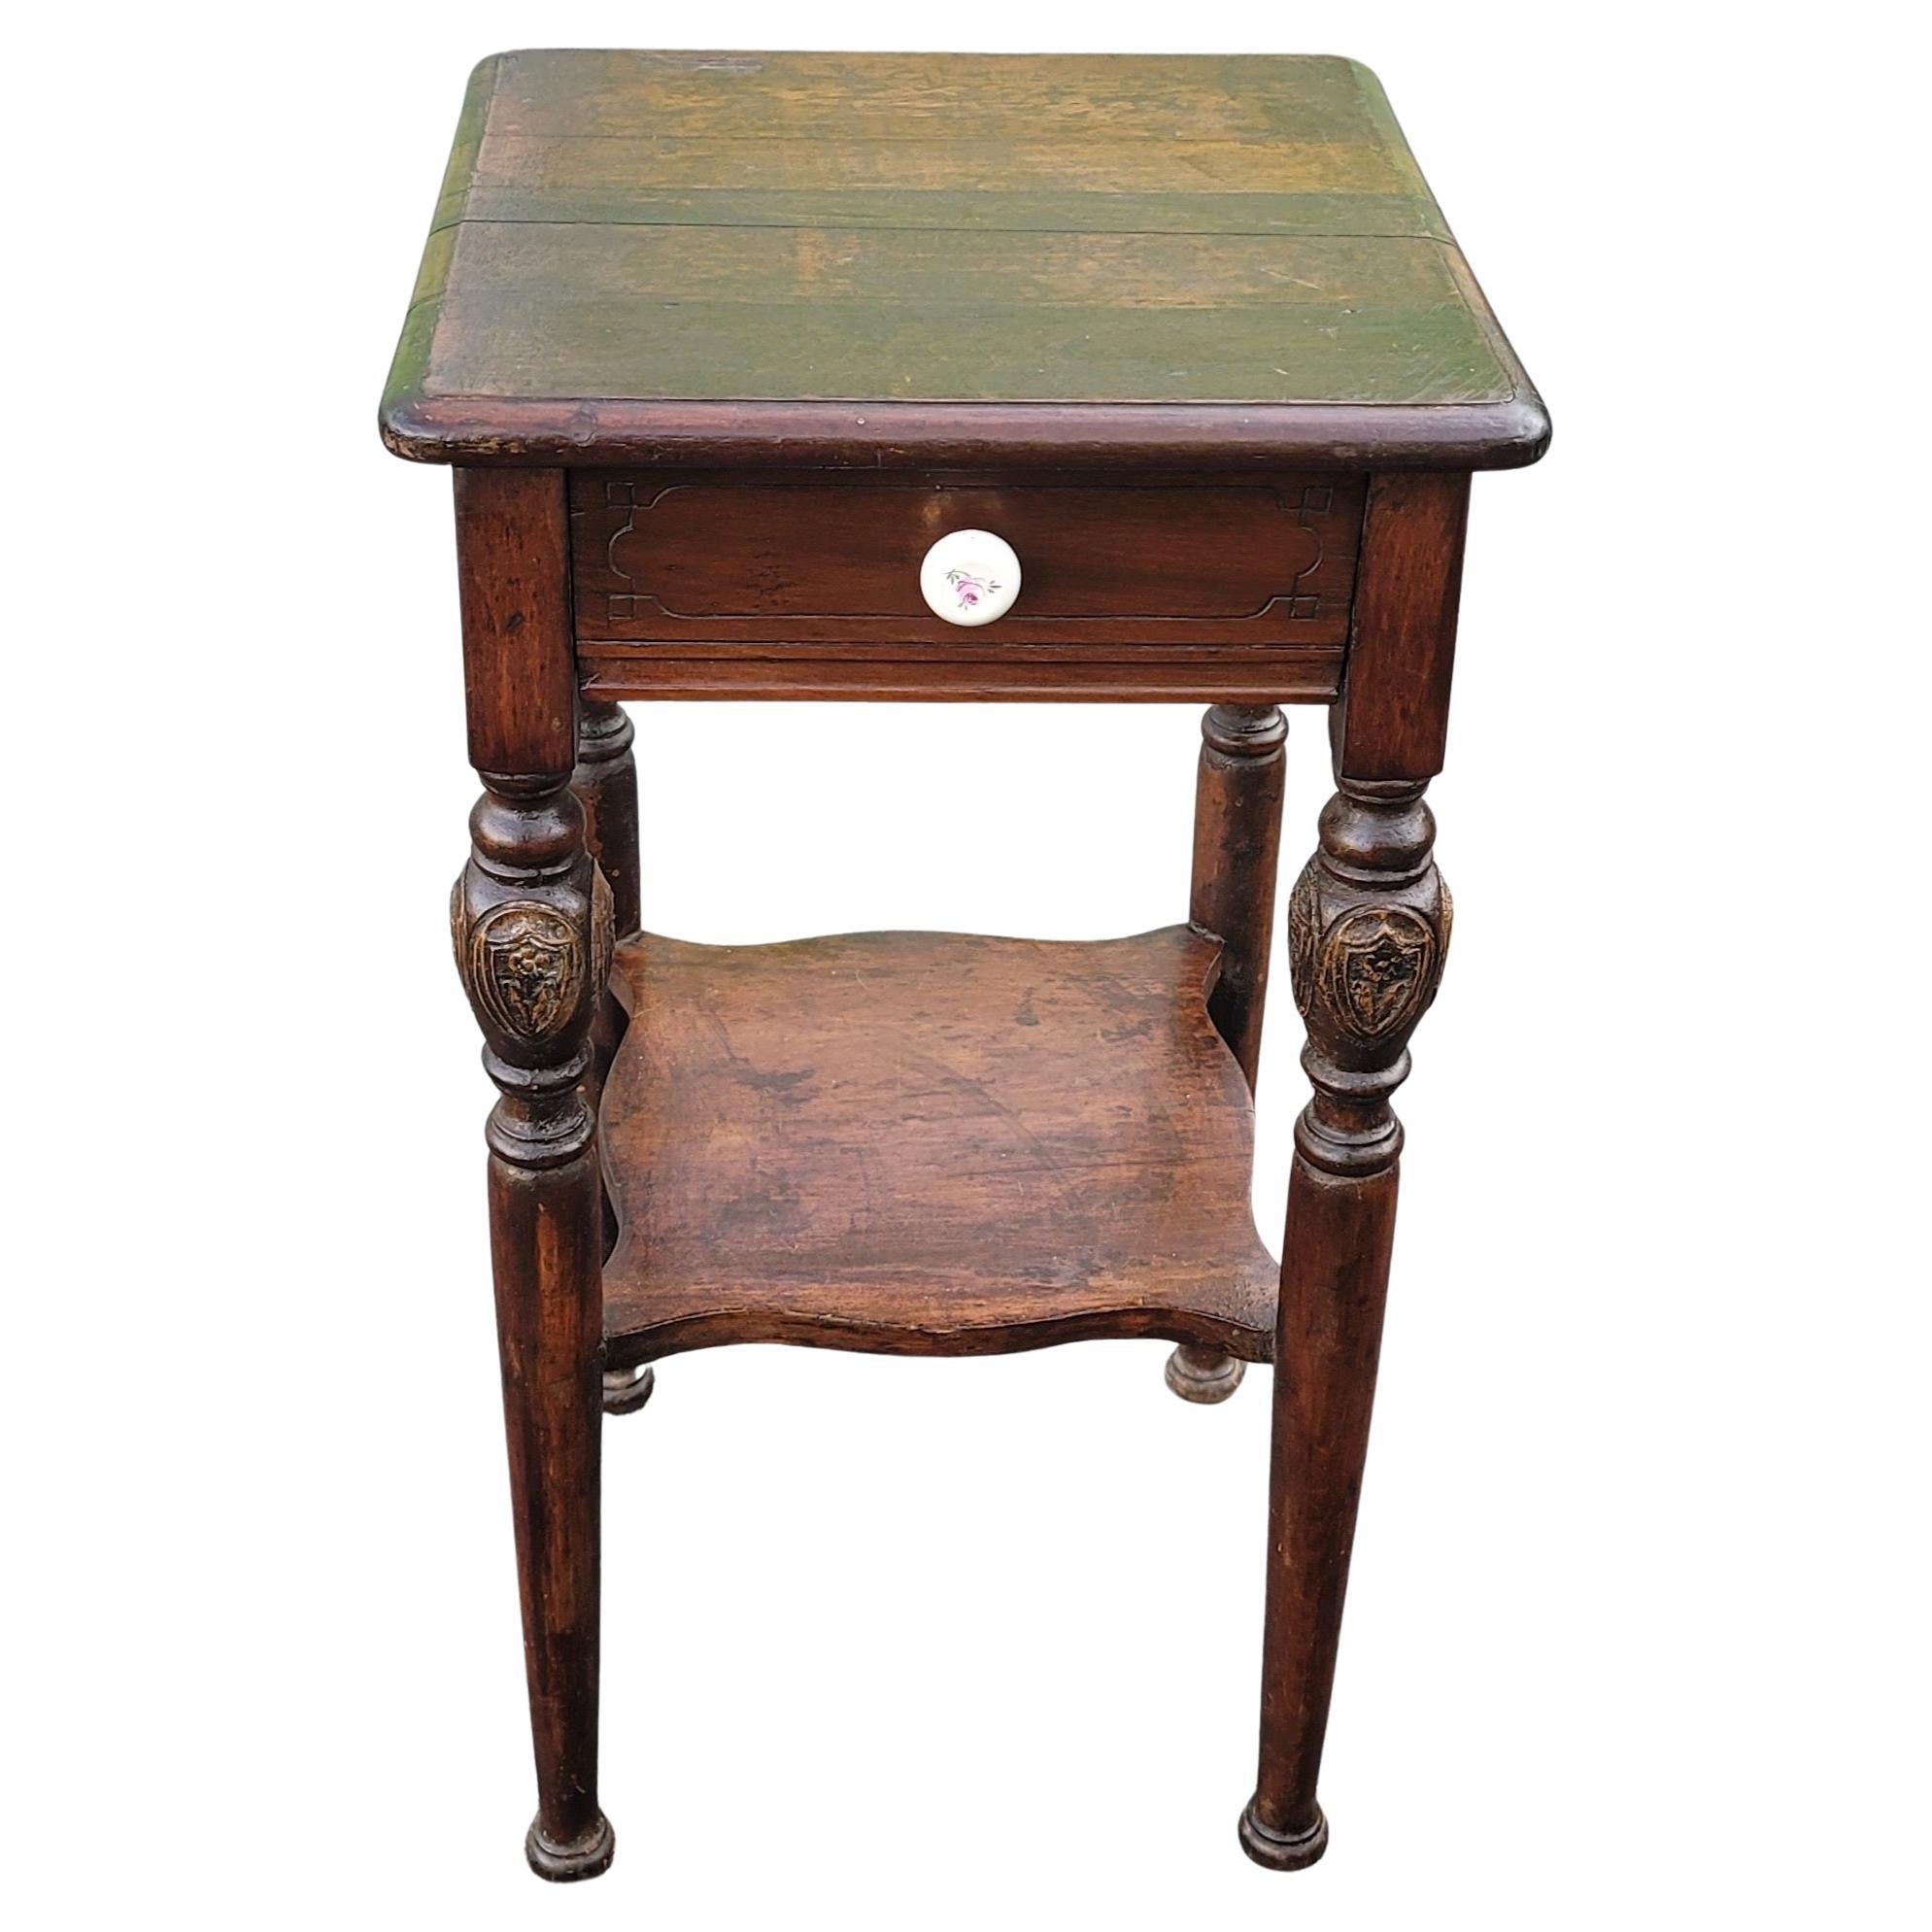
{"x":1236,"y":848}
{"x":968,"y":436}
{"x":700,"y":585}
{"x":1367,"y":930}
{"x":818,"y":565}
{"x":531,"y":923}
{"x":1333,"y":1293}
{"x":928,"y":1145}
{"x":1237,"y":844}
{"x":781,"y":317}
{"x":520,"y":686}
{"x":1258,"y":678}
{"x":605,"y":782}
{"x":875,"y":261}
{"x":545,"y":1245}
{"x":1394,"y":719}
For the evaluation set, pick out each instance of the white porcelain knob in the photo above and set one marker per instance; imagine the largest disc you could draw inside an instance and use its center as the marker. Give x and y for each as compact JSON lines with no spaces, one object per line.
{"x":969,"y":577}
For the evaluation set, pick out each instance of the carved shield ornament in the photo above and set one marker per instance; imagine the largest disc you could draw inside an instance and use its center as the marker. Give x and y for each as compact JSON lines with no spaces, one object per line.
{"x":526,"y":968}
{"x":1378,"y":964}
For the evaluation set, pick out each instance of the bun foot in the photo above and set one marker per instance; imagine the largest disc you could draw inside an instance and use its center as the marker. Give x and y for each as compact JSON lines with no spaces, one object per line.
{"x":626,"y":1389}
{"x":585,"y":1858}
{"x":1269,"y":1848}
{"x":1203,"y":1374}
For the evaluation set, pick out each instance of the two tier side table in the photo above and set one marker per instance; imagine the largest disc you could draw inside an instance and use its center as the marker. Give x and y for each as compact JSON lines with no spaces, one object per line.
{"x":911,"y":378}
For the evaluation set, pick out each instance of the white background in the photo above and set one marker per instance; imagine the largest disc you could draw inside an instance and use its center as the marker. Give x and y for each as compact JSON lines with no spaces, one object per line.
{"x":1637,"y":1625}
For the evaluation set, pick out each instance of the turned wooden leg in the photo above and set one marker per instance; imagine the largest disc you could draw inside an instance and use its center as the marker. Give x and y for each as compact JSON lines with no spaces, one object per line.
{"x":533,"y":944}
{"x":1368,"y":928}
{"x":1237,"y":844}
{"x":605,"y":782}
{"x":532,"y":928}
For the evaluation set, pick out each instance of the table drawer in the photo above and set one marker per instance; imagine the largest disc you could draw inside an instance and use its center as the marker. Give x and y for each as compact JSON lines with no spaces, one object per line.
{"x":825,"y":567}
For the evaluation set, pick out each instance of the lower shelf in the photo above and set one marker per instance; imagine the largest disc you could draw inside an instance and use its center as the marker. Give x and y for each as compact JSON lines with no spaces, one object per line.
{"x":929,"y":1144}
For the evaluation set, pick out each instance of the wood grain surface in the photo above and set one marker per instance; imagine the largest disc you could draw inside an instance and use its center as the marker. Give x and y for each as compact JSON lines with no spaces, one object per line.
{"x":924,"y":1143}
{"x":530,"y":923}
{"x":820,"y":563}
{"x":626,"y":241}
{"x":617,"y":673}
{"x":719,"y":343}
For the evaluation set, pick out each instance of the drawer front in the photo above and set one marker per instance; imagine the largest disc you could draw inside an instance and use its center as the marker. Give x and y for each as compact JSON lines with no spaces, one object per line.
{"x":828,"y":564}
{"x":808,"y":584}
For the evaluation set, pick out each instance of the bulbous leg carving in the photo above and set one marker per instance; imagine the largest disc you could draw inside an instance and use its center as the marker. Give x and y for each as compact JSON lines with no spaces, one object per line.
{"x":1369,"y":924}
{"x":1367,"y":931}
{"x":530,"y":920}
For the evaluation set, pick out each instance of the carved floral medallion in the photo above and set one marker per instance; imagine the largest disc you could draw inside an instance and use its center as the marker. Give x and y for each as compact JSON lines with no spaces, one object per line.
{"x":527,"y":969}
{"x":1377,"y":968}
{"x":1371,"y":969}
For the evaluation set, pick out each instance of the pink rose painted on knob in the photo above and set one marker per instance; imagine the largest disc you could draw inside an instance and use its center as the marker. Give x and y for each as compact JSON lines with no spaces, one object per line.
{"x":970,"y":589}
{"x":969,"y":577}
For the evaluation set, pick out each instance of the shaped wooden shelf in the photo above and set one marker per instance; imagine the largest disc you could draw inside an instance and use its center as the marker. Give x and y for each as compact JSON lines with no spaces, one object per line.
{"x":929,"y":1144}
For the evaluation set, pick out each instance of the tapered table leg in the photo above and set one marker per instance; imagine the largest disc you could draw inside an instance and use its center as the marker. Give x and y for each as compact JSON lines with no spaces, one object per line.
{"x":534,"y":947}
{"x":1368,"y":928}
{"x":531,"y":923}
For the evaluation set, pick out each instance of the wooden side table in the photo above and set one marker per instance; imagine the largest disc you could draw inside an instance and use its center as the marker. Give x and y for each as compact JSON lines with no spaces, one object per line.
{"x":878,"y":377}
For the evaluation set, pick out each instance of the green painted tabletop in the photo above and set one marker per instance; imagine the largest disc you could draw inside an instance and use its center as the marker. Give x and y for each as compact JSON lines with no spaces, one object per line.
{"x":1108,"y":240}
